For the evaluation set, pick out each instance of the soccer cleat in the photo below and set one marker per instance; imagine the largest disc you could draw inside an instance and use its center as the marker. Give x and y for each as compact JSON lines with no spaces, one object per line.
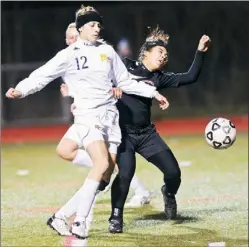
{"x":116,"y":225}
{"x":170,"y":205}
{"x":79,"y":229}
{"x":138,"y":201}
{"x":59,"y":225}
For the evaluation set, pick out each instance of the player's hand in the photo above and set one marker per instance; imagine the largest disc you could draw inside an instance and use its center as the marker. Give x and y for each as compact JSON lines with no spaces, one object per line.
{"x":204,"y":43}
{"x":117,"y":92}
{"x":72,"y":107}
{"x":64,"y":90}
{"x":12,"y":93}
{"x":164,"y":104}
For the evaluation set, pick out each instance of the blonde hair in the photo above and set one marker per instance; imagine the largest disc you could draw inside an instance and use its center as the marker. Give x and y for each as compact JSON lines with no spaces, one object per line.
{"x":157,"y":34}
{"x":83,"y":10}
{"x":71,"y":25}
{"x":154,"y":35}
{"x":71,"y":29}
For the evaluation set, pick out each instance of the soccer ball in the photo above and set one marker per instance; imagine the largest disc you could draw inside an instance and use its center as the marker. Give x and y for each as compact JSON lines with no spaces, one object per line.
{"x":220,"y":133}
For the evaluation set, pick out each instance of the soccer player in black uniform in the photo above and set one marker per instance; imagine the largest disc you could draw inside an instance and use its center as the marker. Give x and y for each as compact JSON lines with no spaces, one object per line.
{"x":139,"y":134}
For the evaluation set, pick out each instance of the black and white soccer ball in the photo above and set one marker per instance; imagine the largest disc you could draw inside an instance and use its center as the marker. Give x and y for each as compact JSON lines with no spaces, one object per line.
{"x":220,"y":133}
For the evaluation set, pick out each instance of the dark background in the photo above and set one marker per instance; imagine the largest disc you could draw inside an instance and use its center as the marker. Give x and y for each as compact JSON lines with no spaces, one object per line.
{"x":33,"y":32}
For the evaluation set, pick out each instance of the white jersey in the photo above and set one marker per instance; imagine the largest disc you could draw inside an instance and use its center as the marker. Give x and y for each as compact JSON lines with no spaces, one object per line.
{"x":90,"y":72}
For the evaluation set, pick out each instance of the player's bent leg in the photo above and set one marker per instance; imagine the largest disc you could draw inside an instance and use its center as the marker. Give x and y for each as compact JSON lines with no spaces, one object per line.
{"x":87,"y":137}
{"x":156,"y":151}
{"x":66,"y":149}
{"x":59,"y":223}
{"x":167,"y":163}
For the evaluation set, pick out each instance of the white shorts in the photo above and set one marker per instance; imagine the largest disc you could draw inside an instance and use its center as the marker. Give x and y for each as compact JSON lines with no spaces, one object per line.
{"x":95,"y":126}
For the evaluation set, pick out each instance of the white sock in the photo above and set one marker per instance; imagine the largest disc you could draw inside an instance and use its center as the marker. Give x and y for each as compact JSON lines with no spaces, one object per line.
{"x":70,"y":208}
{"x":82,"y":158}
{"x":137,"y":186}
{"x":87,"y":197}
{"x":91,"y":213}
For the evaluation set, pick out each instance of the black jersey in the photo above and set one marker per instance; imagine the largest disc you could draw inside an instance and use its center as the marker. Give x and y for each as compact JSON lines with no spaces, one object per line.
{"x":135,"y":111}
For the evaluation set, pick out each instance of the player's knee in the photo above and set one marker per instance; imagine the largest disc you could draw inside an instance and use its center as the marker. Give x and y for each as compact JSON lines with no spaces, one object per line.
{"x":174,"y":173}
{"x":67,"y":149}
{"x":64,"y":152}
{"x":126,"y":175}
{"x":126,"y":171}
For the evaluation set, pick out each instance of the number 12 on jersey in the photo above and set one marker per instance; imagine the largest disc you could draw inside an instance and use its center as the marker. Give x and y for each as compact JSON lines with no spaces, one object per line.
{"x":81,"y":62}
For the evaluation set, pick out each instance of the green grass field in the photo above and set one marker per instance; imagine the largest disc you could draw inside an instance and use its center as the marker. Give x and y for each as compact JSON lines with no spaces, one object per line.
{"x":212,"y":200}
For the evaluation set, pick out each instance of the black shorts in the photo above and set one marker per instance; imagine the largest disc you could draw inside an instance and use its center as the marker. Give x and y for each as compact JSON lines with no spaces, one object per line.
{"x":144,"y":141}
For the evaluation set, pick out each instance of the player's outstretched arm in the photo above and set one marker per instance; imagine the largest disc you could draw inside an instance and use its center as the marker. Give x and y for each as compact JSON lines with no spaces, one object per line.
{"x":194,"y":71}
{"x":39,"y":78}
{"x":191,"y":76}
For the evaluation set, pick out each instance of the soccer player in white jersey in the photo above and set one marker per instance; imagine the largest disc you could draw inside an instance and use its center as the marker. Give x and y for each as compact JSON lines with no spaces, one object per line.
{"x":141,"y":195}
{"x":88,"y":67}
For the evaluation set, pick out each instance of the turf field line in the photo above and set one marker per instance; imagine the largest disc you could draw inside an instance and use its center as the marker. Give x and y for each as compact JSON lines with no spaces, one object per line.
{"x":213,"y":198}
{"x":180,"y":202}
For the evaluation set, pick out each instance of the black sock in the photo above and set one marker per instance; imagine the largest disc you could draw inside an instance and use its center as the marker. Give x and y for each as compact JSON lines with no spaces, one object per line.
{"x":117,"y":213}
{"x":119,"y":192}
{"x":102,"y":185}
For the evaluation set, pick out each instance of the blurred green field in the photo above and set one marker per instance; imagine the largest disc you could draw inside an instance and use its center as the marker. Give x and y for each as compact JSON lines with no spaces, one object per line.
{"x":212,"y":200}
